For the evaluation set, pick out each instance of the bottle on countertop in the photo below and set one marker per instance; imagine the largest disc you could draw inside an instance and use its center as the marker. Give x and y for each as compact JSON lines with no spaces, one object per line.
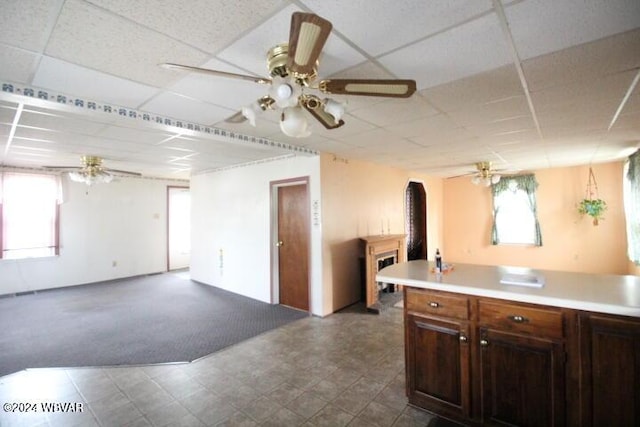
{"x":438,"y":261}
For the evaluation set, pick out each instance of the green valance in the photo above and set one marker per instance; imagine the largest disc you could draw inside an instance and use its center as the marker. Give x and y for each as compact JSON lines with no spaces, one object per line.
{"x":526,"y":183}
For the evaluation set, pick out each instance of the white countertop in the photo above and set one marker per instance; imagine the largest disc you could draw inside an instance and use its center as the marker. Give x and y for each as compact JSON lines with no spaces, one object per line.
{"x":602,"y":293}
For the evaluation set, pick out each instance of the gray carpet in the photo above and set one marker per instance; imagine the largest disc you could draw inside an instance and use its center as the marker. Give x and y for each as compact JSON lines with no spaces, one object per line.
{"x":151,"y":319}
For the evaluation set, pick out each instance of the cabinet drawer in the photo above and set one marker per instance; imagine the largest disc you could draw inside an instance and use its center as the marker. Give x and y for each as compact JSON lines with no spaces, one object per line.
{"x":437,"y":303}
{"x":521,"y":319}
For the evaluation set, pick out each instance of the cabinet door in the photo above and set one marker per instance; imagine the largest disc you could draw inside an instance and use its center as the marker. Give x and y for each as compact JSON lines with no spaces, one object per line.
{"x":612,"y":376}
{"x":438,"y":364}
{"x":522,"y":380}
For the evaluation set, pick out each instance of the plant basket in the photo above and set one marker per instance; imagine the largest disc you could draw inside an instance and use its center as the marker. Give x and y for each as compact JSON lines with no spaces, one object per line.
{"x":592,"y":205}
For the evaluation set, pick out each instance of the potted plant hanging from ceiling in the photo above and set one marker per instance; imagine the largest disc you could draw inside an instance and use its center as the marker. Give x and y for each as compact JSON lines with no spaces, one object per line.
{"x":592,"y":205}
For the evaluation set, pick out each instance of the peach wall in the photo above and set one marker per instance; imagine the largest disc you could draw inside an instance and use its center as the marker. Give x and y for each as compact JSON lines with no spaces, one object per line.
{"x":360,"y":199}
{"x":570,"y":243}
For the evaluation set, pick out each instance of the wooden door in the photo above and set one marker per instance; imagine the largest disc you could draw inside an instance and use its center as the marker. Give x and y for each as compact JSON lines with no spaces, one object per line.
{"x":293,"y":246}
{"x":611,"y":350}
{"x":522,"y":380}
{"x":438,"y":365}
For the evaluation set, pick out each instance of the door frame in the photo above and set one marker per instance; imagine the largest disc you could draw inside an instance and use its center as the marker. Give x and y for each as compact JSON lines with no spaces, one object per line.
{"x":273,"y":238}
{"x":169,"y":188}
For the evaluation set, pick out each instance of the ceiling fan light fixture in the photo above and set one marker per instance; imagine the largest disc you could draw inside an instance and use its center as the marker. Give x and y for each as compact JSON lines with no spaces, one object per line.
{"x":495,"y":178}
{"x":285,"y":92}
{"x":250,"y":114}
{"x":90,"y":177}
{"x":293,"y":123}
{"x":335,"y":108}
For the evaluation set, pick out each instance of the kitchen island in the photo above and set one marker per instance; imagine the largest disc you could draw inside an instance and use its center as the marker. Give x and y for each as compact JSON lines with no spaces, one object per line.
{"x":557,"y":349}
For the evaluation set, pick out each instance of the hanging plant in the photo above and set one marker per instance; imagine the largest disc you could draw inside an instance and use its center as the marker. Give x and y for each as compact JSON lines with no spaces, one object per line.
{"x":592,"y":205}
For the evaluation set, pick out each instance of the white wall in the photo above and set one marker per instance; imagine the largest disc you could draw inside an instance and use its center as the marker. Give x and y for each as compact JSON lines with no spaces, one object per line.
{"x":231,"y":218}
{"x":124,"y":221}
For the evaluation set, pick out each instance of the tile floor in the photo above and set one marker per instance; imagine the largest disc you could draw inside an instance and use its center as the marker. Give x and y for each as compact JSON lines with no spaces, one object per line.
{"x":346,"y":369}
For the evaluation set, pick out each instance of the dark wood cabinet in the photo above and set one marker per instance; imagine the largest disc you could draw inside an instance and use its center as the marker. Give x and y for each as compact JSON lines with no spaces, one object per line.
{"x":438,"y":364}
{"x":438,"y":355}
{"x":485,"y":361}
{"x":522,"y":380}
{"x":522,"y":364}
{"x":610,"y":350}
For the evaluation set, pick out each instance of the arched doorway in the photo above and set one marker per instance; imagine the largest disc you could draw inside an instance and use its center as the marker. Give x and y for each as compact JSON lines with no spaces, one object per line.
{"x":416,"y":220}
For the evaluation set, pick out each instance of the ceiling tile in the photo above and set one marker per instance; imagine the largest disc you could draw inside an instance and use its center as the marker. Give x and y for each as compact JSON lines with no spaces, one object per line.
{"x":20,"y":20}
{"x":206,"y":24}
{"x":250,"y":52}
{"x":58,"y":122}
{"x":180,"y":107}
{"x":450,"y":56}
{"x":586,"y":62}
{"x":226,"y":92}
{"x":17,"y":65}
{"x":352,"y":126}
{"x":120,"y":133}
{"x":392,"y":111}
{"x":439,"y":123}
{"x":481,"y":88}
{"x":79,"y":81}
{"x":560,"y":24}
{"x":91,"y":37}
{"x":405,"y":20}
{"x":512,"y":125}
{"x":495,"y":111}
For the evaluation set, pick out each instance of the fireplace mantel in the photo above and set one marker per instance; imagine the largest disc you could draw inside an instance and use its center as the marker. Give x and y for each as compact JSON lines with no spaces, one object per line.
{"x":376,"y":248}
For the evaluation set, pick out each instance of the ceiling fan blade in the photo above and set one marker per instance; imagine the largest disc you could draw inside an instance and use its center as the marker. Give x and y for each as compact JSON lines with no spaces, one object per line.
{"x":62,"y":167}
{"x":236,"y":118}
{"x":323,"y":117}
{"x":122,"y":172}
{"x":369,"y":87}
{"x":307,"y":37}
{"x":464,"y":174}
{"x":171,"y":66}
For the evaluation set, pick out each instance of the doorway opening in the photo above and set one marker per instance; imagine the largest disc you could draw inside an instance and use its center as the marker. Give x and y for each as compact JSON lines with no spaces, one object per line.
{"x":178,"y":228}
{"x":416,"y":221}
{"x":290,"y":231}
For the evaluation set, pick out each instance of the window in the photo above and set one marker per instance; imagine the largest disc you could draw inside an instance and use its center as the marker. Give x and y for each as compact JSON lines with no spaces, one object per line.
{"x":28,"y":215}
{"x":631,"y":190}
{"x":515,"y":219}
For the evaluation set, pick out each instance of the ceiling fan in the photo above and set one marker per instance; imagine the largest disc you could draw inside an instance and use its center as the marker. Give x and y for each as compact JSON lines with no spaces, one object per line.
{"x":484,"y":175}
{"x":92,"y":171}
{"x":293,"y":70}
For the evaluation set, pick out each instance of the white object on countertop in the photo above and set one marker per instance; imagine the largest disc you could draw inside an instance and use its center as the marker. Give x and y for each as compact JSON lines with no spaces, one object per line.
{"x":531,"y":280}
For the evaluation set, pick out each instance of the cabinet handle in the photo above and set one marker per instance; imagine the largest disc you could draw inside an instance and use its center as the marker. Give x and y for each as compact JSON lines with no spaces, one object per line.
{"x":463,"y":338}
{"x":434,"y":304}
{"x":484,"y":343}
{"x":518,"y":319}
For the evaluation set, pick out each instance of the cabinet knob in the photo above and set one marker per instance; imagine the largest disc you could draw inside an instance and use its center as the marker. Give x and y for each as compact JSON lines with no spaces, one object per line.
{"x":518,"y":319}
{"x":434,"y":304}
{"x":484,"y":343}
{"x":463,"y":338}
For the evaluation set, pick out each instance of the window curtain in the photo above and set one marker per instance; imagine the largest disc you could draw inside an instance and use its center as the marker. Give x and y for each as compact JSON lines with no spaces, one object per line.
{"x":528,"y":184}
{"x":632,"y":206}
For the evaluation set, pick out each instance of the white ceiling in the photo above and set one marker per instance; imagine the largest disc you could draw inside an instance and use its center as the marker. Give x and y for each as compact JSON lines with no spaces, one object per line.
{"x":526,"y":84}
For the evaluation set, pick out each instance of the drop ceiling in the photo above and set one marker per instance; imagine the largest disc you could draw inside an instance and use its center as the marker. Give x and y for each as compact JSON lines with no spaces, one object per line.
{"x":525,"y":84}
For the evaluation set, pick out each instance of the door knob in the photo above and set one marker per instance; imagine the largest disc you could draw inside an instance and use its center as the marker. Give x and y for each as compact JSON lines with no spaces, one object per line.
{"x":280,"y":243}
{"x":484,"y":343}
